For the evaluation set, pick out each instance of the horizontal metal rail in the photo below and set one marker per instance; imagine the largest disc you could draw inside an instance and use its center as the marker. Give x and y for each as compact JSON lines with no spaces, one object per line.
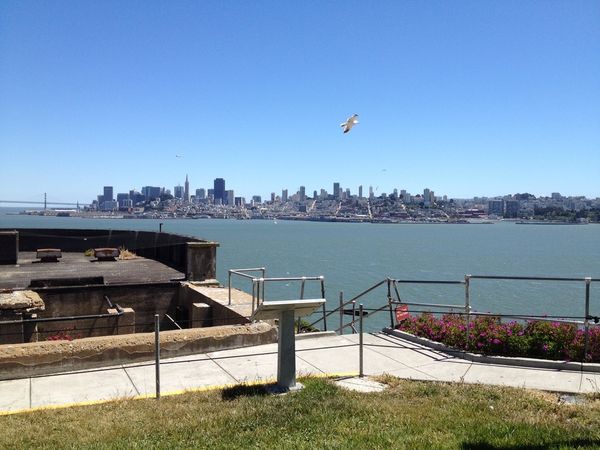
{"x":506,"y":277}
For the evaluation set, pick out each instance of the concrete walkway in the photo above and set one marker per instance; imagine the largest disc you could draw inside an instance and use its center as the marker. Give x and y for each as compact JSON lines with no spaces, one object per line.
{"x":323,"y":354}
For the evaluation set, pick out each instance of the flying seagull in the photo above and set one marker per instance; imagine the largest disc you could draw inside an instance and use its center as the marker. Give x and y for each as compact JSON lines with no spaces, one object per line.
{"x":349,"y":123}
{"x":178,"y":156}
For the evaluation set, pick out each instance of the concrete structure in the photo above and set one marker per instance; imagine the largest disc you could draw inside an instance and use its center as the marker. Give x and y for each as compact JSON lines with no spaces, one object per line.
{"x":9,"y":247}
{"x":86,"y":296}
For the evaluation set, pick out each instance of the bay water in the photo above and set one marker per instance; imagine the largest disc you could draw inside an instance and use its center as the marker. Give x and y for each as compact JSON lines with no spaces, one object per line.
{"x":354,"y":256}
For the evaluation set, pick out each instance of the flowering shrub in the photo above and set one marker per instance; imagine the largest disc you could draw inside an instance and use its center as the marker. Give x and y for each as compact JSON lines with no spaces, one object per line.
{"x":490,"y":336}
{"x":63,"y":335}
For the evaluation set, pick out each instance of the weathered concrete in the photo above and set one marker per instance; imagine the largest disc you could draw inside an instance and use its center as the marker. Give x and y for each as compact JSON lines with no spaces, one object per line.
{"x":201,"y":262}
{"x":23,"y":360}
{"x":76,"y":266}
{"x":200,"y":315}
{"x":26,"y":301}
{"x":223,"y":313}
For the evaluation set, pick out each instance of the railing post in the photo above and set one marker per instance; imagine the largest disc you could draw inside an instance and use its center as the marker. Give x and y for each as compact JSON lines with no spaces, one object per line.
{"x":389,"y":297}
{"x":157,"y":354}
{"x":229,"y":284}
{"x":586,"y":322}
{"x":353,"y":316}
{"x":323,"y":296}
{"x":361,"y":372}
{"x":468,"y":308}
{"x":298,"y":322}
{"x":341,"y":312}
{"x":253,"y":294}
{"x":263,"y":284}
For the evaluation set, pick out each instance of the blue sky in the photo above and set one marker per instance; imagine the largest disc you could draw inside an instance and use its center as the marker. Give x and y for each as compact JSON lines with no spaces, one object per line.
{"x":463,"y":97}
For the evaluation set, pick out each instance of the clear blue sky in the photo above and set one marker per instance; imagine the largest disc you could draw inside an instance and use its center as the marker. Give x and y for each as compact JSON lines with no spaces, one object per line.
{"x":463,"y":97}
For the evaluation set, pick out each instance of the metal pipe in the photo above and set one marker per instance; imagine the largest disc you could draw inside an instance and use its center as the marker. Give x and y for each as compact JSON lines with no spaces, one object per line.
{"x":323,"y":296}
{"x":360,"y":342}
{"x":172,"y":320}
{"x":586,"y":325}
{"x":429,"y":282}
{"x":353,"y":315}
{"x":253,"y":295}
{"x":506,"y":277}
{"x":432,"y":305}
{"x":468,"y":309}
{"x":375,"y":286}
{"x":229,"y":284}
{"x":263,"y":286}
{"x":389,"y":298}
{"x":110,"y":305}
{"x":157,"y":354}
{"x":65,"y":318}
{"x":341,"y":308}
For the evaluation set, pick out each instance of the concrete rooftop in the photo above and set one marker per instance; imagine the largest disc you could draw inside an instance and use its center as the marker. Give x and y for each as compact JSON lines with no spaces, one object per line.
{"x":77,"y":265}
{"x":316,"y":354}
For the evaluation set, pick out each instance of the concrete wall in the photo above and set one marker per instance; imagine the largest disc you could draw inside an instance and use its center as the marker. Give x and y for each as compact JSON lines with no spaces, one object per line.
{"x":38,"y":358}
{"x":144,"y":300}
{"x":9,"y":247}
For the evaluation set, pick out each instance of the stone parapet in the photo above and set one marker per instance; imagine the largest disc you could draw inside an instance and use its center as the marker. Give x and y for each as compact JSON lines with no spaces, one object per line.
{"x":39,"y":358}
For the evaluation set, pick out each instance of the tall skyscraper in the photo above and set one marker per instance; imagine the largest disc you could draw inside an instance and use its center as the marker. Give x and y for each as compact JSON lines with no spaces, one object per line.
{"x":200,"y":194}
{"x":219,"y":191}
{"x":284,"y":195}
{"x":360,"y":191}
{"x":336,"y":190}
{"x":229,"y":198}
{"x":186,"y":191}
{"x":178,"y":191}
{"x":108,"y":194}
{"x":302,"y":193}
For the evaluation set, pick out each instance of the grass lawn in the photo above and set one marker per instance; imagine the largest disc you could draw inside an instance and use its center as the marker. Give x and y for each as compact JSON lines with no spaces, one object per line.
{"x":410,"y":414}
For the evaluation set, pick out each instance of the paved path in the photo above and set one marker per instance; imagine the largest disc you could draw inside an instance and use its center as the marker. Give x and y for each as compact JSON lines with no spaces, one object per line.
{"x":324,"y":354}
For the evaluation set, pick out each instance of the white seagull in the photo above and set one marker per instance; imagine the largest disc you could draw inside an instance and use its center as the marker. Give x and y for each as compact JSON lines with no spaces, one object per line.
{"x":349,"y":123}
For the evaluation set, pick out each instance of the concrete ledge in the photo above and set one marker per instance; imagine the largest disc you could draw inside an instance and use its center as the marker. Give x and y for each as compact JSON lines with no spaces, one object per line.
{"x":40,"y":358}
{"x":501,"y":360}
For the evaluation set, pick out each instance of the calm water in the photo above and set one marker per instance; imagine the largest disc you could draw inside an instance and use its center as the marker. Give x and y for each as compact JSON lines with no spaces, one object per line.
{"x":353,"y":257}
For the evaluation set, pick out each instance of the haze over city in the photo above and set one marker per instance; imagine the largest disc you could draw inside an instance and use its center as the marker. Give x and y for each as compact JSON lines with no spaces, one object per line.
{"x":466,"y":98}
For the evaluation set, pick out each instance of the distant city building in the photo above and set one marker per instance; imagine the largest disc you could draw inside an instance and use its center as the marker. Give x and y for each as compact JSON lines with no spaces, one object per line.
{"x":178,"y":191}
{"x":427,"y":196}
{"x":219,"y":191}
{"x":229,"y":197}
{"x":336,"y":190}
{"x":496,"y":207}
{"x":108,"y":194}
{"x":110,"y":205}
{"x":556,"y":196}
{"x":121,"y":197}
{"x":284,"y":195}
{"x":256,"y":199}
{"x":186,"y":191}
{"x":211,"y":195}
{"x":302,"y":193}
{"x":239,"y":201}
{"x":347,"y":194}
{"x":200,"y":194}
{"x":315,"y":194}
{"x":272,"y":197}
{"x":151,"y":193}
{"x":371,"y":194}
{"x":511,"y":209}
{"x":360,"y":191}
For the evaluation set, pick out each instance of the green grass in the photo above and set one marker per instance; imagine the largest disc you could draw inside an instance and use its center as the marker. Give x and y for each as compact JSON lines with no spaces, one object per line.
{"x":409,"y":414}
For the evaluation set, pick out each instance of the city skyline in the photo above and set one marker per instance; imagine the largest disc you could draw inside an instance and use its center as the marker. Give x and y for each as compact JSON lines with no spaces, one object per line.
{"x":465,"y":98}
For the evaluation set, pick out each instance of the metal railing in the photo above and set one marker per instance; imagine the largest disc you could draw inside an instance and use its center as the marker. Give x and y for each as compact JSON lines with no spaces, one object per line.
{"x":393,"y":298}
{"x":258,"y":286}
